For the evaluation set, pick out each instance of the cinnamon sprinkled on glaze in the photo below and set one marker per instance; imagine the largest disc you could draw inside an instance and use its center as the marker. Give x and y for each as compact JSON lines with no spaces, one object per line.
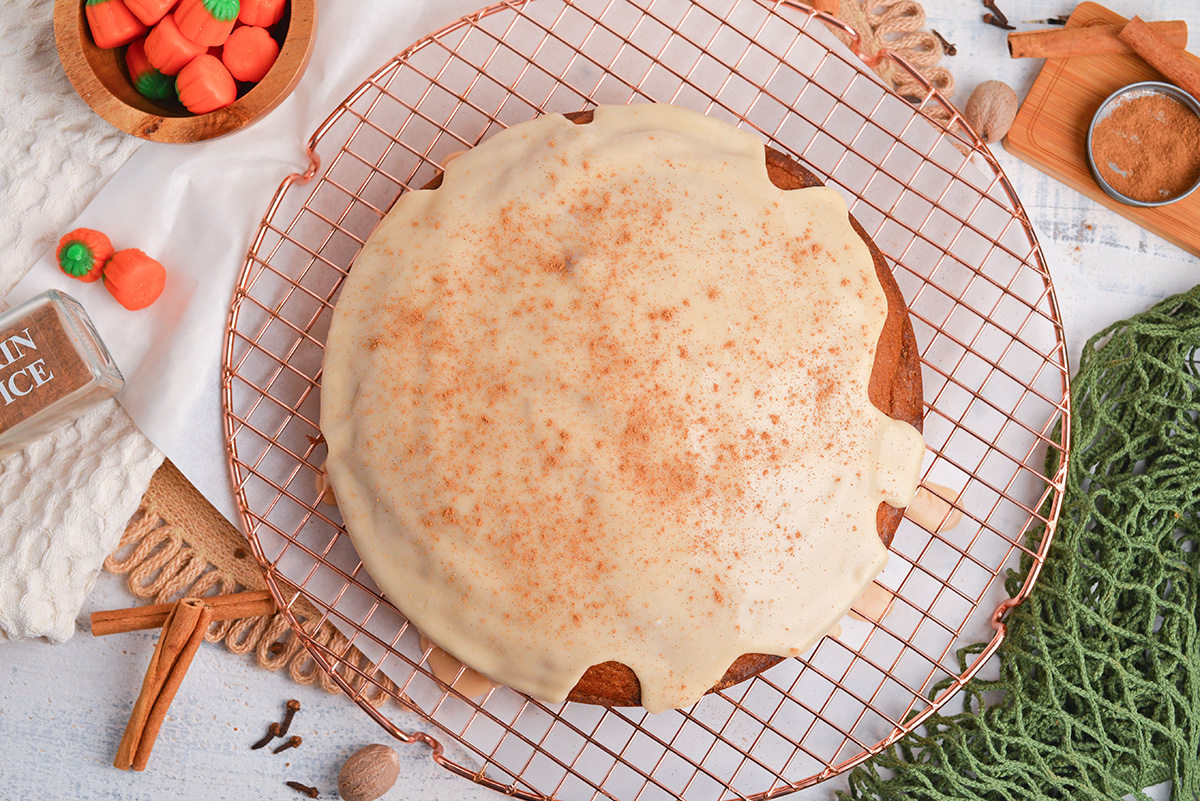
{"x":603,"y":396}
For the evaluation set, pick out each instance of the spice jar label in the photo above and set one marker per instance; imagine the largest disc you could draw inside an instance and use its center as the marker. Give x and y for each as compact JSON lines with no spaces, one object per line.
{"x":38,"y":366}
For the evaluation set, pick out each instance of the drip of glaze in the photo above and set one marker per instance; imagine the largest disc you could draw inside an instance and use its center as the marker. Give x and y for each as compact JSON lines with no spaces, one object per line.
{"x":931,"y":511}
{"x":874,"y":603}
{"x":324,"y":488}
{"x":454,"y":673}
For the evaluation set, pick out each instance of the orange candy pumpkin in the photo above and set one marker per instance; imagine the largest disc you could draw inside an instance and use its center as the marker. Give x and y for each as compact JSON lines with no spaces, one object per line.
{"x":205,"y":85}
{"x":208,"y":22}
{"x":134,"y":279}
{"x":82,"y":254}
{"x":168,"y":50}
{"x":262,"y":13}
{"x":112,"y":23}
{"x":149,"y":11}
{"x":149,"y":82}
{"x":249,"y":53}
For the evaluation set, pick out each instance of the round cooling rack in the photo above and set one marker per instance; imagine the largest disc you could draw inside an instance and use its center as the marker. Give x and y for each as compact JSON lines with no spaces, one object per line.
{"x":920,"y":182}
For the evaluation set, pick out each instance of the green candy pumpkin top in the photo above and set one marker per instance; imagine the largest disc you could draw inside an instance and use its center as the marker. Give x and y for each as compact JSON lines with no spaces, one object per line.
{"x":77,"y":258}
{"x":154,"y":85}
{"x":221,"y":10}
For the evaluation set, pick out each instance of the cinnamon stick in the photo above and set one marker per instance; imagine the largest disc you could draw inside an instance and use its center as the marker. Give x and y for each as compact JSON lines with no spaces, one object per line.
{"x":181,"y":636}
{"x":224,"y":607}
{"x":1156,"y":51}
{"x":1086,"y":40}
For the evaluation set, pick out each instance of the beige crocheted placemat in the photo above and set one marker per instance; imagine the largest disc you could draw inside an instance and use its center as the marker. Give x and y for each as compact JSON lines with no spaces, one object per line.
{"x":179,"y":545}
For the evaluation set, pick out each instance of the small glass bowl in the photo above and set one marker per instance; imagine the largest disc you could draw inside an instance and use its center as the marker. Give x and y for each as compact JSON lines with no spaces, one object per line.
{"x":1118,"y":98}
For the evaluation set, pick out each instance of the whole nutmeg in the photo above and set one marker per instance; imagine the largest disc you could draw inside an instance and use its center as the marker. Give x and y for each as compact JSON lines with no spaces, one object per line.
{"x":368,"y":773}
{"x":991,"y":109}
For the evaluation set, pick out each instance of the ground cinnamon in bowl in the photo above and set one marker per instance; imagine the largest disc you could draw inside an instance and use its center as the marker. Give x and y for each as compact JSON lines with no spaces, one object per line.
{"x":1146,"y":146}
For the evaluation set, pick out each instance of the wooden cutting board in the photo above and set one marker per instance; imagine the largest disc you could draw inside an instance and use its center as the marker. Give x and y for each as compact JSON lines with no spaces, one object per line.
{"x":1050,"y":131}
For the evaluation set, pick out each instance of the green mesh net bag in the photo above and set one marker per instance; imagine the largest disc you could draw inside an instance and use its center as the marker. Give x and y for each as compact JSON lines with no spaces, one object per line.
{"x":1098,"y":695}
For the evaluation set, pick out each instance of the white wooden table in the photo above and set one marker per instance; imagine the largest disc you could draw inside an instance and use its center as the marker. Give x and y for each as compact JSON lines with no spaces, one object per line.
{"x":63,"y":708}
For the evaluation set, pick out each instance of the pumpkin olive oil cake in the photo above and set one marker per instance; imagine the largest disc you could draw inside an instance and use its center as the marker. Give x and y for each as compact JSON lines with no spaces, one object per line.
{"x":605,"y":407}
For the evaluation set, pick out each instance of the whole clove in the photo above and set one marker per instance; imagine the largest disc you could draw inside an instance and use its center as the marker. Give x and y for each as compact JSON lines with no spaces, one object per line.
{"x":992,"y":19}
{"x":947,"y":48}
{"x":293,"y":742}
{"x":311,"y":792}
{"x":990,"y":5}
{"x":292,"y":706}
{"x":272,"y":733}
{"x":996,"y":17}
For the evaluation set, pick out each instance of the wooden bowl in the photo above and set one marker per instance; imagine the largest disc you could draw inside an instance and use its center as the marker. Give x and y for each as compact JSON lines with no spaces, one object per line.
{"x":100,"y":78}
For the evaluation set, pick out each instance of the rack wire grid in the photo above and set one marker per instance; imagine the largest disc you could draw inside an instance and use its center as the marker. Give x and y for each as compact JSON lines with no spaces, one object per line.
{"x":920,"y":182}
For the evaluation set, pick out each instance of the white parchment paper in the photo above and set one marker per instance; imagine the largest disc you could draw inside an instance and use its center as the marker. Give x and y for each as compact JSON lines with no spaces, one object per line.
{"x":195,"y":208}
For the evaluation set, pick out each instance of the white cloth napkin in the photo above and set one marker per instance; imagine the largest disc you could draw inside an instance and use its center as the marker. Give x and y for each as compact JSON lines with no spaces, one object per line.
{"x":196,"y":208}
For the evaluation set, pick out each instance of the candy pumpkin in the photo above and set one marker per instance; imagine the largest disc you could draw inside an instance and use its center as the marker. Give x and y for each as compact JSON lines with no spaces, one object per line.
{"x":149,"y":11}
{"x":205,"y":85}
{"x":168,"y":50}
{"x":82,"y":253}
{"x":249,"y":53}
{"x":134,"y":279}
{"x":112,"y":23}
{"x":149,"y":82}
{"x":263,"y":13}
{"x":208,"y":22}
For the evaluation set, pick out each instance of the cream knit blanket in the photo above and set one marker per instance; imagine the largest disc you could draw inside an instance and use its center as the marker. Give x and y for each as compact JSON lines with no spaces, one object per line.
{"x":65,"y":499}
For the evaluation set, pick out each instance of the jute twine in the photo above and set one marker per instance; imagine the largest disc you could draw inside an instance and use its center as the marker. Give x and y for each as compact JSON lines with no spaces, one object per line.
{"x":899,"y":26}
{"x":178,"y":545}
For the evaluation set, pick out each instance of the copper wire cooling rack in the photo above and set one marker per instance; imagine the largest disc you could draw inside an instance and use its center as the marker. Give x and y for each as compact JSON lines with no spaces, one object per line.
{"x":936,"y":203}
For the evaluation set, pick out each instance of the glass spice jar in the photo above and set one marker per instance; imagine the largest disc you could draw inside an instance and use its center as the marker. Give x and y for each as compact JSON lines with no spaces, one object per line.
{"x":53,"y":366}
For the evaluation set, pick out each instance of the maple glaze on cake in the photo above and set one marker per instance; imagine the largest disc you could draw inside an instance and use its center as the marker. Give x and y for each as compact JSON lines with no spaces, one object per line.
{"x":602,"y":396}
